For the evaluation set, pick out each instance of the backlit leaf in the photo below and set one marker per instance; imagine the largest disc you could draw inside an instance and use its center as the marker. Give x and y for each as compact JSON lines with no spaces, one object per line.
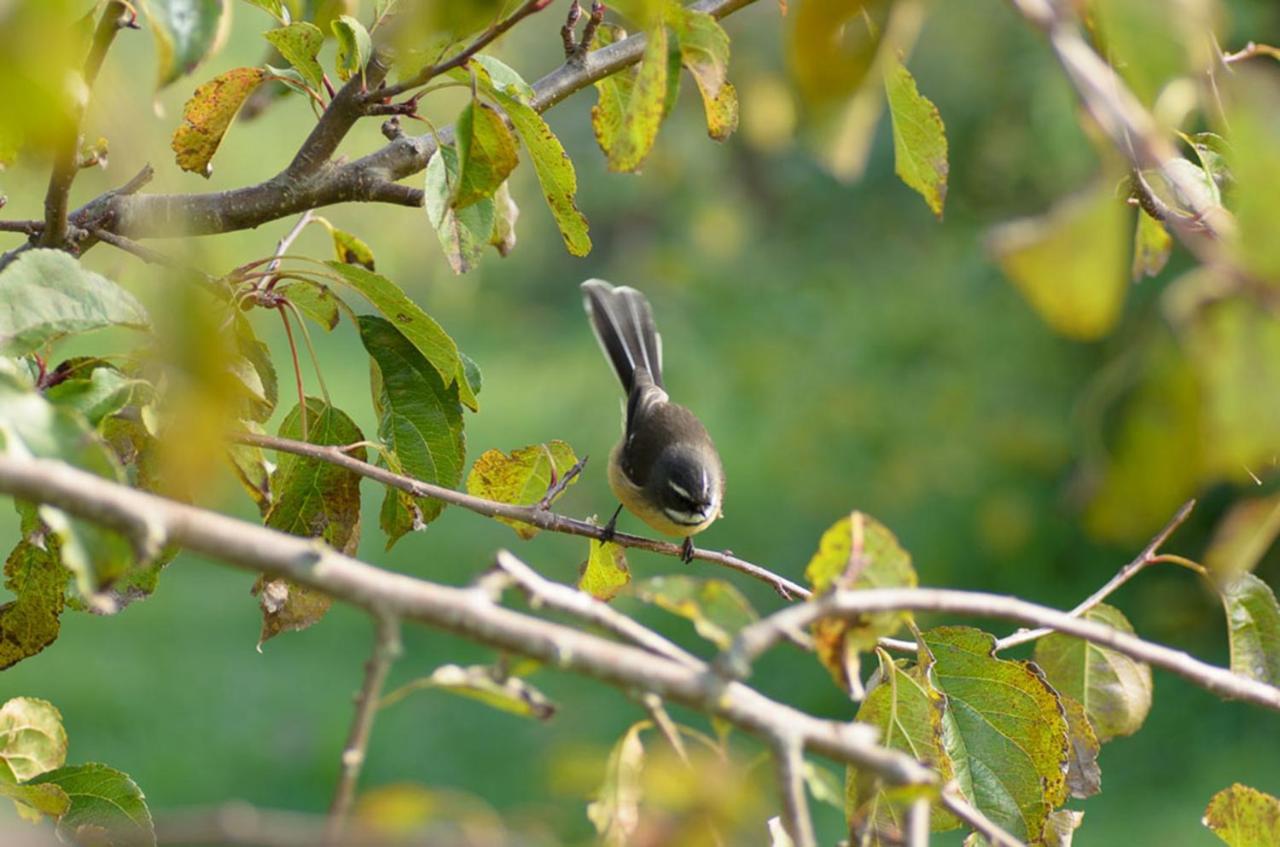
{"x":30,"y":621}
{"x":186,"y":31}
{"x":857,"y":551}
{"x":616,"y":810}
{"x":95,"y":389}
{"x":354,"y":46}
{"x":1004,"y":730}
{"x":605,"y":573}
{"x":32,"y":740}
{"x":1070,"y":263}
{"x":463,"y":233}
{"x":1114,"y":689}
{"x":419,"y":421}
{"x":46,"y":295}
{"x":919,"y":137}
{"x":830,"y":47}
{"x":1244,"y":817}
{"x":908,"y":710}
{"x":645,"y":107}
{"x":415,"y":324}
{"x":1253,"y":625}
{"x":704,"y":50}
{"x":349,"y":249}
{"x":1152,"y":245}
{"x":613,"y":92}
{"x":207,"y":116}
{"x":1242,"y":537}
{"x":299,"y":43}
{"x":32,"y":801}
{"x":104,"y":801}
{"x":314,"y":300}
{"x":716,"y":608}
{"x":507,"y":693}
{"x":486,"y":154}
{"x":521,"y":478}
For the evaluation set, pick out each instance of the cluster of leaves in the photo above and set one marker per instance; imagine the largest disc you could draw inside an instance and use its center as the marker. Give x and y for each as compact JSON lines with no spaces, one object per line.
{"x":90,"y":803}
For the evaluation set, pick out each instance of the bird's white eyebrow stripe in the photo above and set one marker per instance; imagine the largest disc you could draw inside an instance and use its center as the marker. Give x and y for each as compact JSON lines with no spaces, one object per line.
{"x":679,"y":490}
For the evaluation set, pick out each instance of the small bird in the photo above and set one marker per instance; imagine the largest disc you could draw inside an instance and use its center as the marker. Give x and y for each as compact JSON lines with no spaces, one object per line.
{"x":665,"y":470}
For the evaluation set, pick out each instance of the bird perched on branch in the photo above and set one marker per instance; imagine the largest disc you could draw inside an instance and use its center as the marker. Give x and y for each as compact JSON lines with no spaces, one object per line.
{"x":665,"y":470}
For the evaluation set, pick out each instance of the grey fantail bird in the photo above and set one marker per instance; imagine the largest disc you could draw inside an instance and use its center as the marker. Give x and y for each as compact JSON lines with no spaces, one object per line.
{"x":665,"y":470}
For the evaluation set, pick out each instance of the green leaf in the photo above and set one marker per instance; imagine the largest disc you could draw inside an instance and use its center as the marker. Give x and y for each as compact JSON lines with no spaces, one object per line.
{"x":857,"y":551}
{"x":105,"y":802}
{"x":463,"y":233}
{"x":1070,"y":263}
{"x":419,"y":421}
{"x":521,"y":478}
{"x":505,"y":692}
{"x":1242,"y":537}
{"x":1152,"y":245}
{"x":1234,"y":346}
{"x":613,"y":92}
{"x":46,"y":295}
{"x":314,"y":300}
{"x":38,"y":799}
{"x":299,"y":43}
{"x":704,"y":50}
{"x":314,"y":499}
{"x":1004,"y":730}
{"x":30,"y":621}
{"x":1084,"y":777}
{"x":355,"y":47}
{"x":553,"y":166}
{"x":32,"y":740}
{"x":1244,"y":817}
{"x":1114,"y":689}
{"x":486,"y":153}
{"x":186,"y":32}
{"x":96,"y":389}
{"x":254,"y":371}
{"x":908,"y":710}
{"x":644,"y":110}
{"x":31,"y":426}
{"x":275,"y":8}
{"x":919,"y":136}
{"x":207,"y":116}
{"x":605,"y":573}
{"x":615,"y":812}
{"x":1255,"y":163}
{"x":416,"y":325}
{"x":1253,"y":625}
{"x":716,"y":608}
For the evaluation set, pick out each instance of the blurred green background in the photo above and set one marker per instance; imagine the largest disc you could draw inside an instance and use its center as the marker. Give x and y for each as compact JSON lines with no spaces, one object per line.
{"x":845,"y":349}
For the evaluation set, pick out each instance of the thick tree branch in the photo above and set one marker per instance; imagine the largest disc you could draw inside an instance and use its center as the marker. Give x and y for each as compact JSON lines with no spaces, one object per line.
{"x":66,"y":158}
{"x":306,"y":185}
{"x":760,"y":636}
{"x":462,"y":611}
{"x":533,"y":515}
{"x":386,"y":648}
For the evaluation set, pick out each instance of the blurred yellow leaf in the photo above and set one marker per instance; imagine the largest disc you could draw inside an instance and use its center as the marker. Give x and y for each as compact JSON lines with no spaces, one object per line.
{"x":716,"y":608}
{"x":1255,"y":161}
{"x":605,"y":573}
{"x":1070,"y":263}
{"x":704,"y":50}
{"x":830,"y":47}
{"x":1152,"y":245}
{"x":1242,"y":537}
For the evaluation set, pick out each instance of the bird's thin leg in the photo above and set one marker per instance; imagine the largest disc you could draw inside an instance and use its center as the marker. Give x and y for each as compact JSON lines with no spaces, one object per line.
{"x":612,"y":526}
{"x":686,"y":550}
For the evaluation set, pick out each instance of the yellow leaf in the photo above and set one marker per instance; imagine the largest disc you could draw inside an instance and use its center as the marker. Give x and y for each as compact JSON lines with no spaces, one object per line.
{"x":207,"y":116}
{"x":605,"y":572}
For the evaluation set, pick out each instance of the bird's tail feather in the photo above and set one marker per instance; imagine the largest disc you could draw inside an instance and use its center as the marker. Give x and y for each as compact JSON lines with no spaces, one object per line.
{"x":623,"y":324}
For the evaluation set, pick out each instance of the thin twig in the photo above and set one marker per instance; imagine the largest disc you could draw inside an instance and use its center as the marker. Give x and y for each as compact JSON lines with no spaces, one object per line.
{"x":541,"y":518}
{"x":268,"y":282}
{"x":658,"y":713}
{"x":1148,"y":556}
{"x":386,"y":648}
{"x":788,"y":760}
{"x":66,"y":157}
{"x":484,"y":39}
{"x":972,"y":817}
{"x":754,"y":639}
{"x":146,"y":254}
{"x":1250,"y":51}
{"x":24,"y":227}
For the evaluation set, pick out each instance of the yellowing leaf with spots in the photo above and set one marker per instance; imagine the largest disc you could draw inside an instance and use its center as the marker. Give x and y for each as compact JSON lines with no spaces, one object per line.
{"x":919,"y":137}
{"x":521,"y":478}
{"x":605,"y":572}
{"x":1070,"y":263}
{"x":704,"y":50}
{"x":208,"y":115}
{"x":1244,"y":817}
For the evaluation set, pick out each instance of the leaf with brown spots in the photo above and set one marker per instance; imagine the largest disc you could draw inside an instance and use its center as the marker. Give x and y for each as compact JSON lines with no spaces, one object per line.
{"x":208,"y":115}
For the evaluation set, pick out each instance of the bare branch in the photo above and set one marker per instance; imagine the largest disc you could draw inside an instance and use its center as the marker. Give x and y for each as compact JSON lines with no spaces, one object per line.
{"x":461,"y":611}
{"x":760,"y":636}
{"x":788,"y":761}
{"x":1148,"y":556}
{"x":534,"y":515}
{"x":386,"y":648}
{"x":67,"y":157}
{"x":915,"y":830}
